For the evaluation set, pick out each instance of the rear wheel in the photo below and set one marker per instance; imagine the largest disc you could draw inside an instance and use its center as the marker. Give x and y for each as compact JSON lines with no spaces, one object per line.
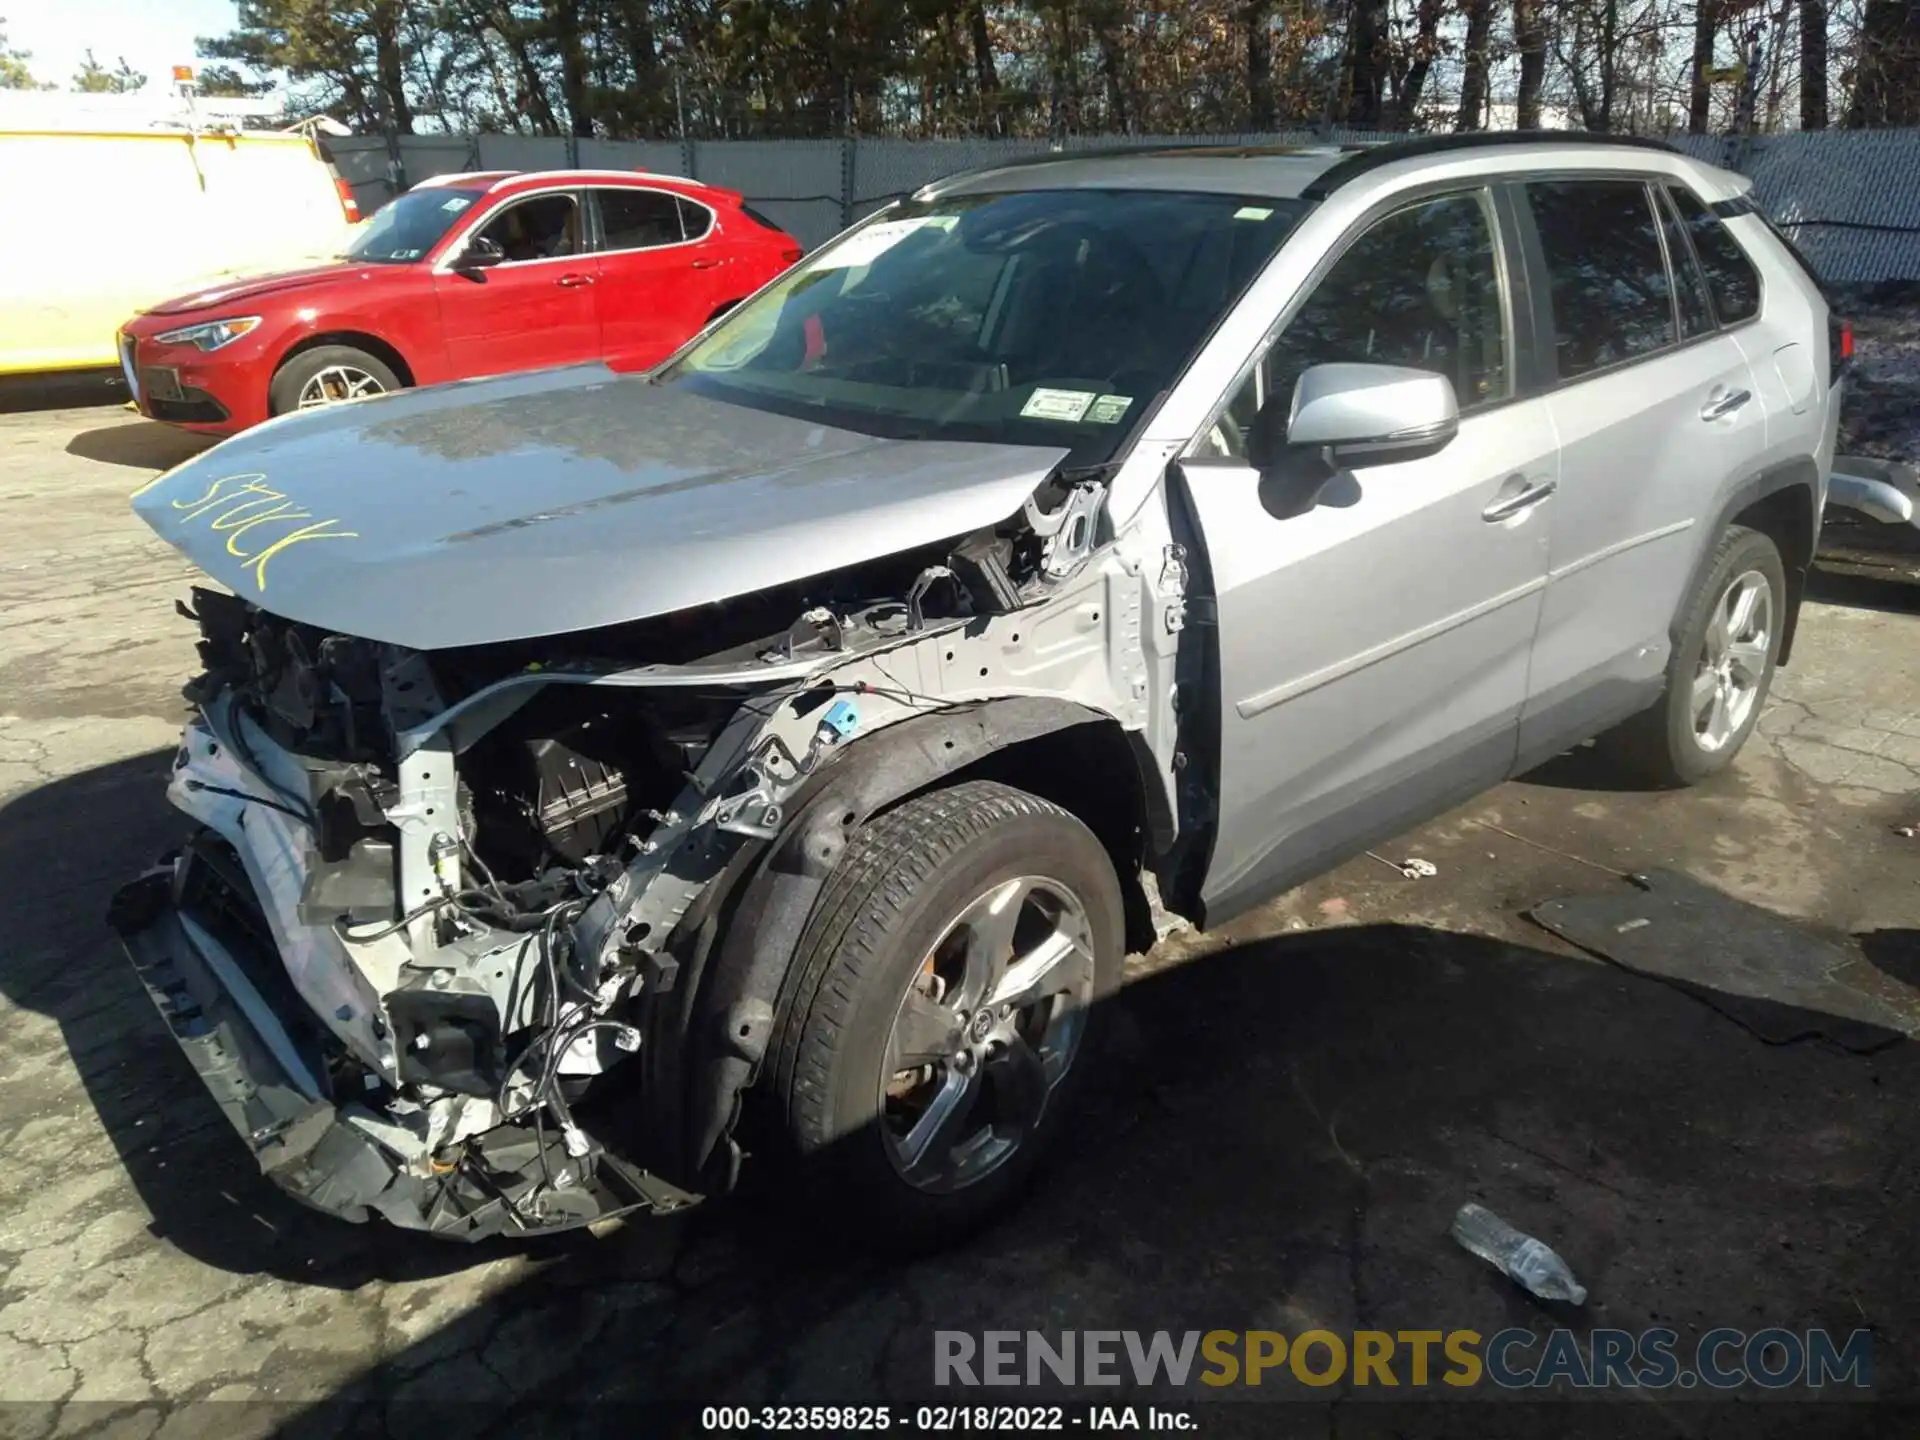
{"x":1721,"y":670}
{"x":941,"y":1009}
{"x":326,"y":375}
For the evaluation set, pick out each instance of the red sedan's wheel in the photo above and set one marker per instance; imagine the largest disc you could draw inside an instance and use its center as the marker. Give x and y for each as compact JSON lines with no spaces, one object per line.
{"x":326,"y":375}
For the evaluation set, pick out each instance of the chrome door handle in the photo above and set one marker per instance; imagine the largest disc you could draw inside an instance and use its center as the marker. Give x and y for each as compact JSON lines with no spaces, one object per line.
{"x":1721,"y":406}
{"x":572,"y":282}
{"x":1525,"y":500}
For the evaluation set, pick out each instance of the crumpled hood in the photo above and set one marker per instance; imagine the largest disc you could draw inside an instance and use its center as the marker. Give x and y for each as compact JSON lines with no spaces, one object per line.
{"x":557,"y":501}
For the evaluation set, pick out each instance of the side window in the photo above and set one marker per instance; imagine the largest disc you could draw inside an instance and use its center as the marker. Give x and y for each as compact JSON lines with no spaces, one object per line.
{"x":695,"y":219}
{"x":538,"y":229}
{"x":1421,"y":288}
{"x":1696,"y":313}
{"x":1731,"y":278}
{"x":1612,"y":297}
{"x":638,"y":219}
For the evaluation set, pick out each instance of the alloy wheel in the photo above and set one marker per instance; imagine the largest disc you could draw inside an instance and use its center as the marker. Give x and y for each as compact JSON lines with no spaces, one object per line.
{"x":1733,"y":661}
{"x":986,"y":1031}
{"x":336,"y":383}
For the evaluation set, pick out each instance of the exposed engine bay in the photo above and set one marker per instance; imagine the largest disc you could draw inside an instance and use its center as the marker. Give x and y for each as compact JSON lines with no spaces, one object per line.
{"x":436,"y":896}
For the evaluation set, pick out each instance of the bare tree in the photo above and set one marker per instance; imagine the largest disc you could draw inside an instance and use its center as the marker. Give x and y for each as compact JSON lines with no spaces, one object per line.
{"x":1366,"y":63}
{"x":1530,"y":39}
{"x":1473,"y":80}
{"x":1260,"y":110}
{"x":1412,"y":72}
{"x":1706,"y":32}
{"x":1813,"y":64}
{"x":1887,"y":66}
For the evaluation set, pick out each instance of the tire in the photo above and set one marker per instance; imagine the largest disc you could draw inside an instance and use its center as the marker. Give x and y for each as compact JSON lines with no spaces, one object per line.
{"x":910,"y":904}
{"x":309,"y":366}
{"x":1667,"y":744}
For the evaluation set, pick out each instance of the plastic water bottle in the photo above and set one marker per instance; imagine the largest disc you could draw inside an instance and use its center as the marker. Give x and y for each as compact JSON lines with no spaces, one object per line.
{"x":1522,"y":1258}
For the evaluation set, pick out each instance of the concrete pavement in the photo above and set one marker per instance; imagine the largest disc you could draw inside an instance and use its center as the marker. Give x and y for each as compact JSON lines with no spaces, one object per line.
{"x":1279,"y":1139}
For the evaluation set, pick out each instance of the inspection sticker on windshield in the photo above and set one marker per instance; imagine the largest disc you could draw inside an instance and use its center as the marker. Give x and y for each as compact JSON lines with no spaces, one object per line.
{"x":455,"y":204}
{"x":1108,"y":408}
{"x":1045,"y":404}
{"x":868,"y":245}
{"x":1253,"y":212}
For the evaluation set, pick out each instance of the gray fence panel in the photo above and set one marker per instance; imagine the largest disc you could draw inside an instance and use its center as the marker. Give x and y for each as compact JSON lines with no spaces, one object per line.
{"x":1860,"y":185}
{"x":885,"y":170}
{"x":661,"y":157}
{"x":361,"y":161}
{"x":1851,"y":182}
{"x":367,"y":164}
{"x":800,"y":185}
{"x":522,"y":152}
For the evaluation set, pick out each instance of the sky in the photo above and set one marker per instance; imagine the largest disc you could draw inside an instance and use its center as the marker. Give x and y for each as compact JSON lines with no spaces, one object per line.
{"x":153,"y":35}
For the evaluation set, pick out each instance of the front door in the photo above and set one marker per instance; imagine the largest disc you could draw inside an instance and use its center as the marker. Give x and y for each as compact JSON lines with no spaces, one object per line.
{"x":1373,"y":650}
{"x":537,"y":306}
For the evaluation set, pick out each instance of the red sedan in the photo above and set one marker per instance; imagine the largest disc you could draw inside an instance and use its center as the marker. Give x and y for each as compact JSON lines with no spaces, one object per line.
{"x":464,"y":275}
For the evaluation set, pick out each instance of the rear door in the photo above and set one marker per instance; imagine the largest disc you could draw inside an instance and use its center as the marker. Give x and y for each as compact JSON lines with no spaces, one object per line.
{"x":1655,"y":406}
{"x":533,"y":309}
{"x":657,"y":272}
{"x":1373,"y":650}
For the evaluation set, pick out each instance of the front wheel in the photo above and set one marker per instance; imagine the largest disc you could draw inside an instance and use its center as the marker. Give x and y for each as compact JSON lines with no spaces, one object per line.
{"x":326,"y":375}
{"x":1722,"y":667}
{"x":940,"y":1012}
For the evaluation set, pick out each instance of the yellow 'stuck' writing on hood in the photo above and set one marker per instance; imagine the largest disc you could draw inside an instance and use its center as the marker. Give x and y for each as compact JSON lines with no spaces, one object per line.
{"x":246,"y":509}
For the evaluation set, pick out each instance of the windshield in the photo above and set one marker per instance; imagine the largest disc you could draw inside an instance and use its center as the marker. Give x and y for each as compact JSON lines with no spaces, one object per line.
{"x":1045,"y":317}
{"x":404,"y":229}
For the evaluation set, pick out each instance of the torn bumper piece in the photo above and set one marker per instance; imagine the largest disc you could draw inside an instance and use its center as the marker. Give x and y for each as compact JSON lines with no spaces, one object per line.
{"x":273,"y":1085}
{"x":1879,"y":489}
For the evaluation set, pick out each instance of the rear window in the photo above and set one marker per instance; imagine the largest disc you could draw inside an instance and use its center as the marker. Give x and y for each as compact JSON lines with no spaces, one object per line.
{"x":638,"y":219}
{"x":762,"y":221}
{"x":1731,"y":278}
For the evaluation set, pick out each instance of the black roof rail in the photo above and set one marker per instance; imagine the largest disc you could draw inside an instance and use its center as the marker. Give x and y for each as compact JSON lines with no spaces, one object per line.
{"x":1372,"y":157}
{"x":1158,"y":148}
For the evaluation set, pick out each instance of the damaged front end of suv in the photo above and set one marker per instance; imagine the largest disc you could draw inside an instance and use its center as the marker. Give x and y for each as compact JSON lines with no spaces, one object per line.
{"x":553,"y":723}
{"x":446,"y":943}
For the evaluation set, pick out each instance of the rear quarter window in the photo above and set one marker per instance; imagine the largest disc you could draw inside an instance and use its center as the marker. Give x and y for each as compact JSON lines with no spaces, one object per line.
{"x":1731,"y":278}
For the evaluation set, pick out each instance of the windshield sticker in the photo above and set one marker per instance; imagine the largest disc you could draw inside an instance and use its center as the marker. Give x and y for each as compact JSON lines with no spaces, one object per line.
{"x":1046,"y":404}
{"x":1253,"y":212}
{"x":1108,"y":408}
{"x":234,"y":504}
{"x":874,"y":241}
{"x":456,"y":203}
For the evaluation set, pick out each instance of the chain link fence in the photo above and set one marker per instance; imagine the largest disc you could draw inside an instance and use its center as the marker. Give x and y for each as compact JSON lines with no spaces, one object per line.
{"x":1848,"y":197}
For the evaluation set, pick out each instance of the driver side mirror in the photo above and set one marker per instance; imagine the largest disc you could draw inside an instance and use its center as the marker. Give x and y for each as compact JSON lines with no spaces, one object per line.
{"x":482,"y":251}
{"x":1354,"y":415}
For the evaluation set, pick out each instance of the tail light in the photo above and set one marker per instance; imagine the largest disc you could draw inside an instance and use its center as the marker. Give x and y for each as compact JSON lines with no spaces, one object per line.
{"x":1839,"y":347}
{"x":792,"y":254}
{"x":348,"y":205}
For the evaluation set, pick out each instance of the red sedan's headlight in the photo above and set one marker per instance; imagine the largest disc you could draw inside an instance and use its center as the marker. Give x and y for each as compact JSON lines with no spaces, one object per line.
{"x":210,"y":334}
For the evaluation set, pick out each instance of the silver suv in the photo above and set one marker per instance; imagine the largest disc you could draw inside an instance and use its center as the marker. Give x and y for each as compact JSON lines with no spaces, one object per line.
{"x":598,"y":778}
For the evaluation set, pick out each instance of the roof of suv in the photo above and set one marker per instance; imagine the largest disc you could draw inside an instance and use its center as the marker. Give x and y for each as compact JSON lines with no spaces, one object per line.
{"x":1286,"y":172}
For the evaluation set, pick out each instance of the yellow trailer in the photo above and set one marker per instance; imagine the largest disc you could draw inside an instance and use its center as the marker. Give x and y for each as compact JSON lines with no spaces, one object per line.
{"x":95,"y":224}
